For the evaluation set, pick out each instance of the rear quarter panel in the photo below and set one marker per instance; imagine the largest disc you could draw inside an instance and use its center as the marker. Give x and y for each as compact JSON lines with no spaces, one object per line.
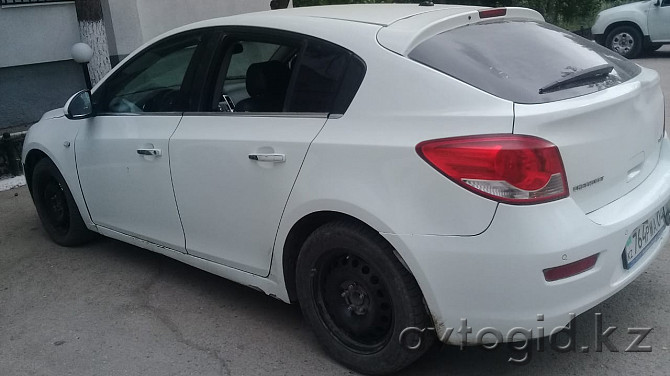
{"x":364,"y":164}
{"x":366,"y":160}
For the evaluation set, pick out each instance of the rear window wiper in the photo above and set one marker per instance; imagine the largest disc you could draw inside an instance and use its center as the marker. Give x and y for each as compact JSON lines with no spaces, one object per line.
{"x":589,"y":74}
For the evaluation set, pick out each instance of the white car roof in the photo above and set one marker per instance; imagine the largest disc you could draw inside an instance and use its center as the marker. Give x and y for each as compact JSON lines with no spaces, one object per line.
{"x":373,"y":14}
{"x":378,"y":14}
{"x":403,"y":26}
{"x":397,"y":27}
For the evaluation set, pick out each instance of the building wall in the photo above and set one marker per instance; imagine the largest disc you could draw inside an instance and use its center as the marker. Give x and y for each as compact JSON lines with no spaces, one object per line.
{"x":36,"y":70}
{"x":28,"y":91}
{"x":136,"y":22}
{"x":37,"y":33}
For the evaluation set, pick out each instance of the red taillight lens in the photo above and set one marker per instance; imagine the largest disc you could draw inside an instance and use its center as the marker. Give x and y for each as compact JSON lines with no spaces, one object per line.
{"x":569,"y":270}
{"x":507,"y":168}
{"x":488,"y":13}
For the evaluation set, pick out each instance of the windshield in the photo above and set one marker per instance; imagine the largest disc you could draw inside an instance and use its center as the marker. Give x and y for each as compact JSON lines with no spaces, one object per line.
{"x":515,"y":60}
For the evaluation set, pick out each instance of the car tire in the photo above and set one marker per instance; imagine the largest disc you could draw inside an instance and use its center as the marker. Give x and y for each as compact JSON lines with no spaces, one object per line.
{"x":625,"y":40}
{"x":359,"y":299}
{"x":56,"y":207}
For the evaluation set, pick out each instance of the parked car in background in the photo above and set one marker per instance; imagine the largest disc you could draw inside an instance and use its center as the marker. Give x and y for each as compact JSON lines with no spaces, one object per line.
{"x":430,"y":165}
{"x":634,"y":28}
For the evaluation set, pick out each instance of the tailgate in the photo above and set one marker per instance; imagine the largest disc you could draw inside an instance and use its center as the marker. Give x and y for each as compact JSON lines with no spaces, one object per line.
{"x":609,"y":140}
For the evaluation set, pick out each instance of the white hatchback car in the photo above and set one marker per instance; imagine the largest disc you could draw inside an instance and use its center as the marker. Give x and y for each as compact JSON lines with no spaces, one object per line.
{"x":386,"y":166}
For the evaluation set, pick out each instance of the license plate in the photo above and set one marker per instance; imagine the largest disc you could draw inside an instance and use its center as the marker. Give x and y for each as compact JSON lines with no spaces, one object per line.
{"x":642,"y":237}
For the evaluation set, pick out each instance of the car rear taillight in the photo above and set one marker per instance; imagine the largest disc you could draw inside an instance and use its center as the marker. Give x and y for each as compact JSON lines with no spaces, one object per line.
{"x":513,"y":169}
{"x":489,"y":13}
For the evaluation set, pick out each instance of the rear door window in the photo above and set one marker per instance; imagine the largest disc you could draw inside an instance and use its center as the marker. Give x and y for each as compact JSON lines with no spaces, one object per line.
{"x":250,"y":53}
{"x":515,"y":60}
{"x":269,"y":71}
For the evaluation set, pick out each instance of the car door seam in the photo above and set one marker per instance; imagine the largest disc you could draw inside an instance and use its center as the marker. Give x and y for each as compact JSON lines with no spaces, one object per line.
{"x":174,"y":194}
{"x":76,"y":167}
{"x":288,"y":198}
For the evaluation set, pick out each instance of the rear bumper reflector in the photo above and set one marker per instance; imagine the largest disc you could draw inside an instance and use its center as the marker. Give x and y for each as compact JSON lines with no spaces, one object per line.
{"x":569,"y":270}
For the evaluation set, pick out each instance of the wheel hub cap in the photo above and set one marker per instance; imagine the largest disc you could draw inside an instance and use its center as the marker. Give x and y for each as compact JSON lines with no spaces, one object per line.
{"x":56,"y":205}
{"x":356,"y":298}
{"x":55,"y":200}
{"x":623,"y":43}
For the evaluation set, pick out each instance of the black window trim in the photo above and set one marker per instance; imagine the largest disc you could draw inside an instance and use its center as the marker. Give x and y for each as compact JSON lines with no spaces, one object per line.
{"x":268,"y":35}
{"x":19,"y":3}
{"x":208,"y":56}
{"x":314,"y":115}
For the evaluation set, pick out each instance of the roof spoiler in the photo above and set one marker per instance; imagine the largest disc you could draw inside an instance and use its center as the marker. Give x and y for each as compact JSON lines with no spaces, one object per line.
{"x":404,"y":35}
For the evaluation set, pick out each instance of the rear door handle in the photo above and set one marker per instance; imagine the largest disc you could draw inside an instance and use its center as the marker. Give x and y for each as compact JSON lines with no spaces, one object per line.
{"x":276,"y":158}
{"x":151,"y":152}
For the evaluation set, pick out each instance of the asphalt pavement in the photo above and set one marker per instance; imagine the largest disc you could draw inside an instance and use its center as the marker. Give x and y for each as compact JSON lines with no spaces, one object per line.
{"x":109,"y":308}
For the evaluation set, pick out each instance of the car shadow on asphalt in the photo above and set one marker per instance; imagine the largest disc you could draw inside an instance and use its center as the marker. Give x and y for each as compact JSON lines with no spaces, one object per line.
{"x":212,"y":312}
{"x":662,"y":53}
{"x":220,"y":296}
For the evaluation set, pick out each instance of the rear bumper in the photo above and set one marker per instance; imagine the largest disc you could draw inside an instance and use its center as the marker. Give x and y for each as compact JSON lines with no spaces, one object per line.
{"x":495,"y":279}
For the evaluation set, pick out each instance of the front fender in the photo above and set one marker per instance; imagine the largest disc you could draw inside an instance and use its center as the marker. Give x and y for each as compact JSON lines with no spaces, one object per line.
{"x":55,"y":137}
{"x":613,"y":16}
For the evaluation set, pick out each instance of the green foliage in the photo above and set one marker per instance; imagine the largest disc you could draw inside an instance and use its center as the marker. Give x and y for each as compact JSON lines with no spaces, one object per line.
{"x":566,"y":13}
{"x":615,"y":3}
{"x":305,"y":3}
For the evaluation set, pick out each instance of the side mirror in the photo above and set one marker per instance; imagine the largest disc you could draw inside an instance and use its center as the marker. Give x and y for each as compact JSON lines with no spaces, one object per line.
{"x":657,"y":3}
{"x":79,"y":106}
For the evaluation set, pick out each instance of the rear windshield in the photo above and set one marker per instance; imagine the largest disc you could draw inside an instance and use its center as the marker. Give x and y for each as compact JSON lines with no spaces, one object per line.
{"x":519,"y":60}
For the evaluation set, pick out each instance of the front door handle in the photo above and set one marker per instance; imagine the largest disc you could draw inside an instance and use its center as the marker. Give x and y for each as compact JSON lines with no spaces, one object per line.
{"x":150,"y":152}
{"x":276,"y":158}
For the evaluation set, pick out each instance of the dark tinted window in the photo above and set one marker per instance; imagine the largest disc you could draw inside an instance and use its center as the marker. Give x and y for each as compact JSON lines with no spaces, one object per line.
{"x":151,"y":82}
{"x":320,"y":73}
{"x":352,"y":80}
{"x":327,"y":79}
{"x":515,"y":59}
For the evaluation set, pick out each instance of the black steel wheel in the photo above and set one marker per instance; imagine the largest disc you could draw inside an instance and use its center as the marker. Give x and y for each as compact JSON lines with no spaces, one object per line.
{"x":358,"y":298}
{"x":56,"y":207}
{"x":53,"y":196}
{"x":354,"y":302}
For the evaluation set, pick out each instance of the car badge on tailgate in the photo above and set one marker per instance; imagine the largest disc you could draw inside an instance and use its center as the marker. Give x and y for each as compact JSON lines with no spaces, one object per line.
{"x":587,"y":184}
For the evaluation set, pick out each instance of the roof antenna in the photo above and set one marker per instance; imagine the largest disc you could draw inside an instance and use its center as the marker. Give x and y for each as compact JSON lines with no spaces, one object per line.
{"x":426,"y":4}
